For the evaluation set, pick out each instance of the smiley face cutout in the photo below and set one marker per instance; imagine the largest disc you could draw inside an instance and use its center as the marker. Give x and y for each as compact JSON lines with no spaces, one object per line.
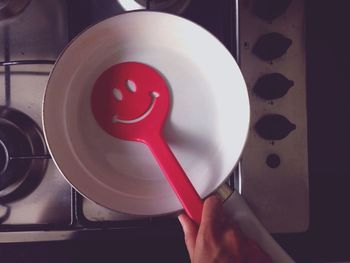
{"x":118,"y":94}
{"x":128,"y":97}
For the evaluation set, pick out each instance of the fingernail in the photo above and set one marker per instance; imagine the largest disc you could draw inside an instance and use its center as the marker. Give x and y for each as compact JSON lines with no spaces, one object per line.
{"x":216,"y":198}
{"x":181,"y":219}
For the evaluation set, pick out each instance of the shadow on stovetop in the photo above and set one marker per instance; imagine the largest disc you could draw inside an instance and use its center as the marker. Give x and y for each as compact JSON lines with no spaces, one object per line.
{"x":328,"y":64}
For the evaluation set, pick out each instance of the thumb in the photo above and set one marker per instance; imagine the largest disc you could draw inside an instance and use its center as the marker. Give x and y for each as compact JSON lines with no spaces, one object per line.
{"x":190,"y":231}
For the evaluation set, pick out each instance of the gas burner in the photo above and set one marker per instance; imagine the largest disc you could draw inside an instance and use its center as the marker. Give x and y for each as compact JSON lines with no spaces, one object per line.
{"x":23,"y":154}
{"x":11,"y":8}
{"x":12,"y":143}
{"x":171,"y":6}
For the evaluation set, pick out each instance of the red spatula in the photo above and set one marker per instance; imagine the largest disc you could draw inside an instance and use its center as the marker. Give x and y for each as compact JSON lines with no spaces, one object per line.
{"x":130,"y":101}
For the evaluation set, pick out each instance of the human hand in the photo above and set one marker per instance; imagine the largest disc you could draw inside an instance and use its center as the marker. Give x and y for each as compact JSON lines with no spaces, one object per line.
{"x":218,"y":239}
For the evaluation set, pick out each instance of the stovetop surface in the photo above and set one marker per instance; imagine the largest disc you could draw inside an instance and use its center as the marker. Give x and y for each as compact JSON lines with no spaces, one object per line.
{"x":53,"y":204}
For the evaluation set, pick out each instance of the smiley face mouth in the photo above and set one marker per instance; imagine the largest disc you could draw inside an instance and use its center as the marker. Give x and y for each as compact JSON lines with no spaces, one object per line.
{"x":154,"y":95}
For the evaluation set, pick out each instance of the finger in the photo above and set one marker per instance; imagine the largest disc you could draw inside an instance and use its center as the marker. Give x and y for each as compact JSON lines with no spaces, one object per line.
{"x":190,"y":232}
{"x":212,"y":211}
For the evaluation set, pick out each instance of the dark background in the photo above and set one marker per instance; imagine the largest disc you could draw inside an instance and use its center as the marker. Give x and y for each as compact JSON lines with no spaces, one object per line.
{"x":328,"y":91}
{"x":328,"y":238}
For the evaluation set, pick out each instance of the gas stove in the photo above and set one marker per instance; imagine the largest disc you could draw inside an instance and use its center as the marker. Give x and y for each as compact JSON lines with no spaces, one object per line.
{"x":37,"y":204}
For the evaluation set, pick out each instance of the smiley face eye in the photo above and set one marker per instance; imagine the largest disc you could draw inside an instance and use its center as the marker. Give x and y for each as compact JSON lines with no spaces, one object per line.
{"x":118,"y":95}
{"x":154,"y":94}
{"x":131,"y":85}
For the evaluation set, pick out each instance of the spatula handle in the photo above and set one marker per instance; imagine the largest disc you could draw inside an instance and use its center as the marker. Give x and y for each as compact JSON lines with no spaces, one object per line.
{"x":176,"y":176}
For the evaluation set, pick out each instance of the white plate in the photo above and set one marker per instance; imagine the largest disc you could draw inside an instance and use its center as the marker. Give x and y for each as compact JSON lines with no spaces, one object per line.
{"x":207,"y":126}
